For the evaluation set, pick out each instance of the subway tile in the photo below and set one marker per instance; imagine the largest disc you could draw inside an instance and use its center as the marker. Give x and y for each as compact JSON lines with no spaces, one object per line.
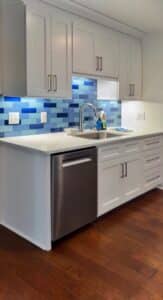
{"x":61,"y":113}
{"x":28,"y":110}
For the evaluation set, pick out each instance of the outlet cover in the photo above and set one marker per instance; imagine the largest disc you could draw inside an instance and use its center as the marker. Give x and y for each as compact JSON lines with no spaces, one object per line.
{"x":43,"y":117}
{"x":14,"y":118}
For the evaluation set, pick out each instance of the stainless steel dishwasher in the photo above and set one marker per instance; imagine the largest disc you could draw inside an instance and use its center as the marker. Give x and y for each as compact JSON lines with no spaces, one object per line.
{"x":74,"y":191}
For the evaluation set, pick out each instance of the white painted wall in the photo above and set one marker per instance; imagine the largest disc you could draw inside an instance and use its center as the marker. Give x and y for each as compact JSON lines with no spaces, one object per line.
{"x":139,"y":115}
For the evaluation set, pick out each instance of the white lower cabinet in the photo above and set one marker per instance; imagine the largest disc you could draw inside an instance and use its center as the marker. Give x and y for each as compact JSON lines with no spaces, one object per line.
{"x":135,"y":169}
{"x":109,"y":186}
{"x":132,"y":183}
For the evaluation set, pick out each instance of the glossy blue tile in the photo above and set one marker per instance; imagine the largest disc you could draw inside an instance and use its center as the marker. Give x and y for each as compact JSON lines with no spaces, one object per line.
{"x":29,"y":110}
{"x":61,"y":113}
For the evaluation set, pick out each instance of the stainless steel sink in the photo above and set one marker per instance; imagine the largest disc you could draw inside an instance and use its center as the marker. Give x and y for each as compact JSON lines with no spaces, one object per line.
{"x":98,"y":135}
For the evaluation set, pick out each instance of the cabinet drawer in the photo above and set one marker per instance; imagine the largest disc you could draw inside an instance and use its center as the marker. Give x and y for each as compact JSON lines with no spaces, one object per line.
{"x":133,"y":146}
{"x":110,"y":152}
{"x":152,"y":178}
{"x":152,"y":142}
{"x":152,"y":159}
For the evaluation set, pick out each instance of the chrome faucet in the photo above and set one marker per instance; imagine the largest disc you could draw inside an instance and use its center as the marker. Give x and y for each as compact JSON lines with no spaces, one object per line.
{"x":82,"y":107}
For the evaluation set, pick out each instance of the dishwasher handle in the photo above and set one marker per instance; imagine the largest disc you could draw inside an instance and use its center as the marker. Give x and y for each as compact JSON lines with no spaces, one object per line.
{"x":76,"y":162}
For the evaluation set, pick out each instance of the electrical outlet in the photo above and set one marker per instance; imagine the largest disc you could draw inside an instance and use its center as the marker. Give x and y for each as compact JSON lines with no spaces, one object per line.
{"x":141,"y":116}
{"x":14,"y":118}
{"x":43,"y":117}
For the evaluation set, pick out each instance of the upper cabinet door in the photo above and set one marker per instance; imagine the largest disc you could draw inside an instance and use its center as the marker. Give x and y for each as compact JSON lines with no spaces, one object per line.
{"x":130,"y":68}
{"x":84,"y":60}
{"x":38,"y":53}
{"x":107,"y":51}
{"x":61,"y":57}
{"x":49,"y":57}
{"x":136,"y":67}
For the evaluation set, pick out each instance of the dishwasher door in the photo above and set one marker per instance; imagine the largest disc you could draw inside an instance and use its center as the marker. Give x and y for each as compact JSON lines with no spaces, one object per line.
{"x":74,"y":191}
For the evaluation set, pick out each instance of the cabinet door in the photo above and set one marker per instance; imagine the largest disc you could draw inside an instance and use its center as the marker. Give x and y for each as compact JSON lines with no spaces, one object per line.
{"x":110,"y":183}
{"x":133,"y":177}
{"x":38,"y":52}
{"x":107,"y":49}
{"x":136,"y":67}
{"x":130,"y":68}
{"x":124,"y":67}
{"x":84,"y":60}
{"x":61,"y":57}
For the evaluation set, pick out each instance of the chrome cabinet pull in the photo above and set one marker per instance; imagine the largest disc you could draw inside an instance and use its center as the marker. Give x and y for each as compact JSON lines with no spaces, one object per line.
{"x":55,"y":83}
{"x":49,"y":83}
{"x":97,"y":63}
{"x":101,"y":64}
{"x":122,"y":166}
{"x":126,"y":170}
{"x":131,"y":90}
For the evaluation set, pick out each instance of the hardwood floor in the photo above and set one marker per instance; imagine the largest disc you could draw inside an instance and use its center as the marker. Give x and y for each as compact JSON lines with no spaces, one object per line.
{"x":119,"y":257}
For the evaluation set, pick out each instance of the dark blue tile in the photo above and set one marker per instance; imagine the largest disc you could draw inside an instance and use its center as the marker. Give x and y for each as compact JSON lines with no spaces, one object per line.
{"x":57,"y":129}
{"x":2,"y":110}
{"x":89,"y":83}
{"x":84,"y":96}
{"x":75,"y":86}
{"x":48,"y":104}
{"x":2,"y":134}
{"x":36,"y":126}
{"x":74,"y":105}
{"x":88,"y":118}
{"x":29,"y":110}
{"x":12,"y":99}
{"x":73,"y":124}
{"x":62,"y":115}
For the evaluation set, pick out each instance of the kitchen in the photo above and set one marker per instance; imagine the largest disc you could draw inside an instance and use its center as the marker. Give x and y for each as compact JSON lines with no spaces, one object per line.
{"x":81,"y":135}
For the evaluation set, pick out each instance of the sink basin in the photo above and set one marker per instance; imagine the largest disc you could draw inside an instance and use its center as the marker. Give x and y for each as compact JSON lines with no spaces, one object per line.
{"x":98,"y":135}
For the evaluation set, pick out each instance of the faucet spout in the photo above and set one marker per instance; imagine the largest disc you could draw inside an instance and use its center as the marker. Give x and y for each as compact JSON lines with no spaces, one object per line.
{"x":82,"y":108}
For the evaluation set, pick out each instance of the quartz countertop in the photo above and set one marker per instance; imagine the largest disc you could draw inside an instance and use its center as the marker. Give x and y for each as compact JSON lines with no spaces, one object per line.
{"x":53,"y":143}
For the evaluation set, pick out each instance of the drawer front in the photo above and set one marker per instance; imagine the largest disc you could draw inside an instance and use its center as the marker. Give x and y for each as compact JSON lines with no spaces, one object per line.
{"x":133,"y":146}
{"x":152,"y":178}
{"x":152,"y":159}
{"x":152,"y":142}
{"x":110,"y":152}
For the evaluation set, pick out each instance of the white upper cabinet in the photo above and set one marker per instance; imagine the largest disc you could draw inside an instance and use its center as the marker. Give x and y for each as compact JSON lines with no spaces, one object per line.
{"x":130,"y":76}
{"x":48,"y":54}
{"x":36,"y":52}
{"x":84,"y":57}
{"x":13,"y":48}
{"x":95,"y":50}
{"x":107,"y":53}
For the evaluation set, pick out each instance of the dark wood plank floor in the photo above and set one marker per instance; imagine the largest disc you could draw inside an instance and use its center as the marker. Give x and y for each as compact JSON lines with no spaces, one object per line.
{"x":119,"y":257}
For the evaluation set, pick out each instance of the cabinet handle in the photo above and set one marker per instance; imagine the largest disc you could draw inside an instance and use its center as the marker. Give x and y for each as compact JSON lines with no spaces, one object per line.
{"x":101,"y":64}
{"x":49,"y":83}
{"x":122,"y":166}
{"x":97,"y":63}
{"x":131,"y":90}
{"x":126,"y":170}
{"x":55,"y":83}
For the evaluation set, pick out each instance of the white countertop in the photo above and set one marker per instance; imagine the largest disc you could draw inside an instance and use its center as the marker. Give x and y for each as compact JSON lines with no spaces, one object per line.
{"x":52,"y":143}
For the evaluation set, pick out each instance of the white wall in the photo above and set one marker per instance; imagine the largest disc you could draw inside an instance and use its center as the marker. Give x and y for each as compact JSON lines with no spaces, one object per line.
{"x":139,"y":115}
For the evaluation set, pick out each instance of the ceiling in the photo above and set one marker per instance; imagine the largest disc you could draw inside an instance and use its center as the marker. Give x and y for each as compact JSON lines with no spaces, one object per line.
{"x":143,"y":15}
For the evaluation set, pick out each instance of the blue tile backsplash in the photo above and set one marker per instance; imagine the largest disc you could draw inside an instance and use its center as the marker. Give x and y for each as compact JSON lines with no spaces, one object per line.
{"x":61,"y":113}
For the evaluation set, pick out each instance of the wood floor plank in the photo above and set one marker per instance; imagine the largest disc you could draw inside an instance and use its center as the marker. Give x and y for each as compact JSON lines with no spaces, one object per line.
{"x":119,"y":257}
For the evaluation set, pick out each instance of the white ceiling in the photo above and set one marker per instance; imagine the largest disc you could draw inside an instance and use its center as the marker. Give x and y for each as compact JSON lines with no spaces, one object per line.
{"x":144,"y":15}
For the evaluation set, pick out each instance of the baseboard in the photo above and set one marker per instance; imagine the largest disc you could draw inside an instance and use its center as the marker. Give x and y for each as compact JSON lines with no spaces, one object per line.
{"x":26,"y":237}
{"x":160,"y":187}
